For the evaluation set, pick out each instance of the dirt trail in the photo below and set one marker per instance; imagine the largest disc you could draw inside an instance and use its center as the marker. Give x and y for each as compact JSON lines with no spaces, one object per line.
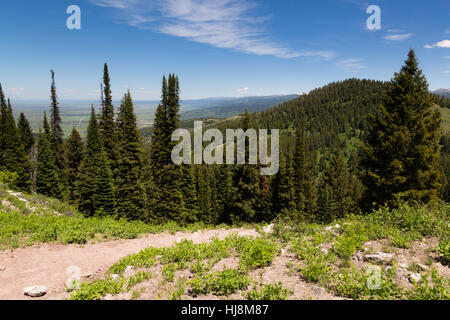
{"x":48,"y":264}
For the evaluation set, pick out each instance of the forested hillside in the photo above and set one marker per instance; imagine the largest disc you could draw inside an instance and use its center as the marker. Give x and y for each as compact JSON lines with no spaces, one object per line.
{"x":114,"y":172}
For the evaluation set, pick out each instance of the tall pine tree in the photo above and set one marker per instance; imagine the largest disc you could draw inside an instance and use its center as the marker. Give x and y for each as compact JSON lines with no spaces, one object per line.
{"x":74,"y":154}
{"x":131,"y":195}
{"x":55,"y":126}
{"x":401,"y":156}
{"x":108,"y":125}
{"x":26,"y":134}
{"x":13,"y":155}
{"x":85,"y":185}
{"x":47,"y":178}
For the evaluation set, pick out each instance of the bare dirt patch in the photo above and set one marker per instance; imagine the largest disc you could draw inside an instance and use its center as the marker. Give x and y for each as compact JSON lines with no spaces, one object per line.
{"x":48,"y":264}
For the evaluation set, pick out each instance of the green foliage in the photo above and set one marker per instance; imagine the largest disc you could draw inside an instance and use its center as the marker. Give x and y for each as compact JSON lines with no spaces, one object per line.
{"x":444,"y":251}
{"x":271,"y":291}
{"x":57,"y":133}
{"x":221,"y":283}
{"x":107,"y":125}
{"x":104,"y":198}
{"x":97,"y":289}
{"x":438,"y":289}
{"x":401,"y":156}
{"x":257,"y":253}
{"x":353,"y":283}
{"x":73,"y":154}
{"x":47,"y":173}
{"x":8,"y":178}
{"x":137,"y":278}
{"x":130,"y":191}
{"x":26,"y":134}
{"x":86,"y":179}
{"x":13,"y":156}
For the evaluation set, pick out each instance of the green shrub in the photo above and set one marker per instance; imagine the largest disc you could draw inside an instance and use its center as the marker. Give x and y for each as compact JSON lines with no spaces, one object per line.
{"x":438,"y":289}
{"x":221,"y":283}
{"x":268,"y":292}
{"x":444,"y":251}
{"x":98,"y":289}
{"x":8,"y":178}
{"x":257,"y":253}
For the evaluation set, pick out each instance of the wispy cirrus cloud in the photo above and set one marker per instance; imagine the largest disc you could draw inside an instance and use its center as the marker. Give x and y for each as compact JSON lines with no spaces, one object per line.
{"x":398,"y":37}
{"x":351,"y":65}
{"x":227,"y":24}
{"x":440,"y":44}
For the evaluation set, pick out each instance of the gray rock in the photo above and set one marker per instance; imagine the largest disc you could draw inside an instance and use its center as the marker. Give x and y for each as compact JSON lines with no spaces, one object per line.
{"x":318,"y":291}
{"x":357,"y":256}
{"x":268,"y":229}
{"x":129,"y":269}
{"x":379,"y":257}
{"x":403,"y":265}
{"x":415,"y":277}
{"x":35,"y":291}
{"x":114,"y":276}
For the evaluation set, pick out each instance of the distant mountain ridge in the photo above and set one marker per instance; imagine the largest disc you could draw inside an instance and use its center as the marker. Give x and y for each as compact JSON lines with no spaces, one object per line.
{"x":442,"y":92}
{"x":229,"y":107}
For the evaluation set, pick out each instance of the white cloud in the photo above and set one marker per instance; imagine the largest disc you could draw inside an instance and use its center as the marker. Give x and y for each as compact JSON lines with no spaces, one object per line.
{"x":220,"y":23}
{"x":440,"y":44}
{"x":398,"y":37}
{"x":446,"y":57}
{"x":243,"y":90}
{"x":351,"y":65}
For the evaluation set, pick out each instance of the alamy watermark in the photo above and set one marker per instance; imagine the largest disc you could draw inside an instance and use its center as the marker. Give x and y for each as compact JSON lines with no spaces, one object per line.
{"x":73,"y":22}
{"x":235,"y":146}
{"x":374,"y":21}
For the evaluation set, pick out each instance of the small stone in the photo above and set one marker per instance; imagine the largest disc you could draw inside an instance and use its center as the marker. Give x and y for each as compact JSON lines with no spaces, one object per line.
{"x":114,"y":276}
{"x":415,"y":277}
{"x":268,"y":229}
{"x":129,"y":269}
{"x":2,"y":268}
{"x":357,"y":256}
{"x":35,"y":291}
{"x":318,"y":291}
{"x":403,"y":265}
{"x":379,"y":257}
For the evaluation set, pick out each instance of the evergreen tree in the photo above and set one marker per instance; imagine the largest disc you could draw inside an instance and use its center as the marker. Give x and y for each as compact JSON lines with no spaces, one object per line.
{"x":13,"y":155}
{"x":401,"y":156}
{"x":284,"y":202}
{"x":86,"y":182}
{"x":304,"y":178}
{"x":47,"y":178}
{"x":336,"y":190}
{"x":246,"y":179}
{"x":103,"y":198}
{"x":189,"y":191}
{"x":130,"y":190}
{"x":108,"y":125}
{"x":26,"y":134}
{"x":167,"y":201}
{"x":224,"y":191}
{"x":74,"y":155}
{"x":55,"y":126}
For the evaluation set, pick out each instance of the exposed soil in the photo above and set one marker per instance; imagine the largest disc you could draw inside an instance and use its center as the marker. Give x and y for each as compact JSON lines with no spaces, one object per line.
{"x":50,"y":264}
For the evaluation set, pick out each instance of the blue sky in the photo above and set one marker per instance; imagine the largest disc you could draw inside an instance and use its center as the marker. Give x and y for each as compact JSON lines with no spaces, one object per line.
{"x":217,"y":47}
